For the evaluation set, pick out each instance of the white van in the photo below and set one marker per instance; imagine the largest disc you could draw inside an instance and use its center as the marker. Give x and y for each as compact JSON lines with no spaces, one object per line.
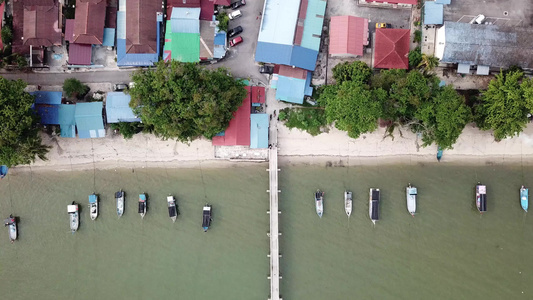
{"x":479,"y":19}
{"x":235,"y":14}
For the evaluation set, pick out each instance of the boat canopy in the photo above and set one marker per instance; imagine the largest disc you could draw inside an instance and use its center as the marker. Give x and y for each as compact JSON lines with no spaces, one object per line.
{"x":412,"y":191}
{"x":92,"y":198}
{"x":483,"y":202}
{"x":142,"y":197}
{"x":72,"y":208}
{"x":375,"y":207}
{"x":207,"y":209}
{"x":482,"y":189}
{"x":170,"y":198}
{"x":375,"y":194}
{"x":119,"y":194}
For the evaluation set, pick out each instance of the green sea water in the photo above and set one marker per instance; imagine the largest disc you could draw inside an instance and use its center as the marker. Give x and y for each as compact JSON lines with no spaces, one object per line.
{"x":447,"y":251}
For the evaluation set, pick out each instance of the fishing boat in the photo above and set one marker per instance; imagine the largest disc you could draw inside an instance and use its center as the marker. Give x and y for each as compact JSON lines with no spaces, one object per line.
{"x":348,"y":203}
{"x":410,"y":193}
{"x":11,"y":223}
{"x":206,"y":217}
{"x":319,"y":203}
{"x":93,"y":206}
{"x":3,"y":171}
{"x":524,"y":197}
{"x":120,"y":197}
{"x":172,"y":211}
{"x":373,"y":205}
{"x":143,"y":205}
{"x":74,"y":216}
{"x":481,"y":197}
{"x":439,"y":154}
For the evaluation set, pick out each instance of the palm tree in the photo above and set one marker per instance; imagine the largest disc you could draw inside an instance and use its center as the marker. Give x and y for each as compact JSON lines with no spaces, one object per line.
{"x":429,"y":62}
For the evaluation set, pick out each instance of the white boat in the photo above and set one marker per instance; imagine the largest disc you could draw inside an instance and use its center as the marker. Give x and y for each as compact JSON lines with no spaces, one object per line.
{"x":319,"y":203}
{"x":143,"y":205}
{"x":11,"y":223}
{"x":93,"y":206}
{"x":524,"y":197}
{"x":410,"y":193}
{"x":120,"y":197}
{"x":172,"y":211}
{"x":481,"y":197}
{"x":74,"y":216}
{"x":348,"y":203}
{"x":206,"y":217}
{"x":373,"y":205}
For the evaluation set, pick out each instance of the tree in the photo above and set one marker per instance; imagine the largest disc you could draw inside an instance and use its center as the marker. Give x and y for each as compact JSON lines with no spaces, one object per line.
{"x":352,"y":106}
{"x":74,"y":88}
{"x":7,"y":35}
{"x":428,"y":62}
{"x":310,"y":119}
{"x":415,"y":58}
{"x":127,"y":129}
{"x":443,"y":118}
{"x":20,"y":142}
{"x":223,"y":21}
{"x":505,"y":104}
{"x":185,"y":101}
{"x":355,"y":71}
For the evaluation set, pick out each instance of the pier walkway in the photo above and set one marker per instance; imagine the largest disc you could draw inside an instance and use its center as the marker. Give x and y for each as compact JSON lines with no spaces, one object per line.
{"x":274,"y":217}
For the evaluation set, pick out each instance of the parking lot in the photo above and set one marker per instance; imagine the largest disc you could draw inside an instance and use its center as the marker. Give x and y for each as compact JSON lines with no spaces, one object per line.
{"x":240,"y":59}
{"x":499,"y":12}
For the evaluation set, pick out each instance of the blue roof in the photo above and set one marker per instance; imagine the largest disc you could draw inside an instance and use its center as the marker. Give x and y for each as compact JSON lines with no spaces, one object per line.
{"x":259,"y":131}
{"x":314,"y":19}
{"x":92,"y":198}
{"x":109,"y":37}
{"x":67,"y":121}
{"x":220,"y":38}
{"x":47,"y":106}
{"x":433,"y":13}
{"x":443,"y":1}
{"x":286,"y":55}
{"x":89,"y":120}
{"x":303,"y":58}
{"x":308,"y":88}
{"x":290,"y":89}
{"x":185,"y":19}
{"x":133,"y":59}
{"x":118,"y":109}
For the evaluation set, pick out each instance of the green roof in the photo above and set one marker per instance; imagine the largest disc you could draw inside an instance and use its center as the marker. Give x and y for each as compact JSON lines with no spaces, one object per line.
{"x":184,"y":47}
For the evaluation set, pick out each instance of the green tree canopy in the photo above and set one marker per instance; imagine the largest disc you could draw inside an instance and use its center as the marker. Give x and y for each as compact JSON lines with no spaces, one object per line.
{"x":310,"y":119}
{"x":74,"y":88}
{"x":185,"y":101}
{"x":443,"y":118}
{"x":505,"y":104}
{"x":355,"y":71}
{"x":352,"y":106}
{"x":20,"y":142}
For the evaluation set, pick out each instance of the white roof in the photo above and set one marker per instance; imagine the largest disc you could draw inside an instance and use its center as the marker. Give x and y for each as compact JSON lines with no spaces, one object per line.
{"x":207,"y":207}
{"x":278,"y":22}
{"x":72,"y":208}
{"x":482,"y":189}
{"x":170,"y":198}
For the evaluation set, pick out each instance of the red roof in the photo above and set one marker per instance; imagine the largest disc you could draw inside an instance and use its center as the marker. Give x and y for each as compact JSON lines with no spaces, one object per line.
{"x":292,"y":72}
{"x":79,"y":54}
{"x":391,"y":48}
{"x":110,"y":17}
{"x":69,"y":30}
{"x":222,"y":2}
{"x":1,"y":17}
{"x":141,"y":33}
{"x":412,"y":2}
{"x":347,"y":35}
{"x":238,"y":131}
{"x":89,"y":22}
{"x":258,"y":94}
{"x":208,"y":9}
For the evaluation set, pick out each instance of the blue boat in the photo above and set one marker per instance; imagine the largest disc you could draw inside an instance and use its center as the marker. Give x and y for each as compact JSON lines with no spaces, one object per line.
{"x":439,"y":154}
{"x":3,"y":171}
{"x":93,"y":206}
{"x":524,"y":197}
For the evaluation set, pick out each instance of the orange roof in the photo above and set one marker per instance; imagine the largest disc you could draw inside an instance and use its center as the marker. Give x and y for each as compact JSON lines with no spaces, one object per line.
{"x":347,"y":35}
{"x":391,"y":48}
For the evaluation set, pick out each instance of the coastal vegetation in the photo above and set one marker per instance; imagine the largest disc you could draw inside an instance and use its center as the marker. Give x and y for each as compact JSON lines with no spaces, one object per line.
{"x":310,"y":119}
{"x":128,"y":129}
{"x":20,"y":141}
{"x":505,"y":105}
{"x":184,"y":101}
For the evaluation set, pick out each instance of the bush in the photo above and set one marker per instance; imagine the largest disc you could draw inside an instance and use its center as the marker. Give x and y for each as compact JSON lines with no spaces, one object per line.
{"x":415,"y":57}
{"x":311,"y":120}
{"x":7,"y":35}
{"x":418,"y":36}
{"x":223,"y":21}
{"x":74,"y":88}
{"x":127,"y":129}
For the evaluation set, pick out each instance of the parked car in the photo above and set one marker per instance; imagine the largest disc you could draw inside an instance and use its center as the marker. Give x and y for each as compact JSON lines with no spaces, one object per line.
{"x":235,"y":14}
{"x":237,"y":4}
{"x":383,"y":25}
{"x":234,"y":31}
{"x":479,"y":19}
{"x":266,"y":69}
{"x":236,"y":41}
{"x":119,"y":87}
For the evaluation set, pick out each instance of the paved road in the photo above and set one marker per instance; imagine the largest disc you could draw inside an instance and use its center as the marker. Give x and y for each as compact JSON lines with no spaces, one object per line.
{"x":96,"y":76}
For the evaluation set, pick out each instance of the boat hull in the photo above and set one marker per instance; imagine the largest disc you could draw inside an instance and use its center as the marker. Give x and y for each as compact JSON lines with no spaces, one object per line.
{"x":11,"y":225}
{"x":74,"y":217}
{"x":172,"y":210}
{"x":119,"y":197}
{"x":3,"y":171}
{"x":319,"y":203}
{"x":411,"y":193}
{"x":206,"y":217}
{"x":373,"y":205}
{"x":143,"y":205}
{"x":348,"y":203}
{"x":93,"y":206}
{"x":481,"y":198}
{"x":524,"y":198}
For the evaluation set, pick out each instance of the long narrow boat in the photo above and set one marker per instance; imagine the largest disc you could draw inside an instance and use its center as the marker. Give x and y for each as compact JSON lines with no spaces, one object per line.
{"x":206,"y":217}
{"x":143,"y":205}
{"x":524,"y":197}
{"x":373,"y":205}
{"x":410,"y":193}
{"x":74,"y":216}
{"x":93,"y":206}
{"x":172,"y":211}
{"x":120,"y":197}
{"x":439,"y":154}
{"x":3,"y":171}
{"x":348,"y":203}
{"x":481,"y":197}
{"x":319,"y":203}
{"x":11,"y":223}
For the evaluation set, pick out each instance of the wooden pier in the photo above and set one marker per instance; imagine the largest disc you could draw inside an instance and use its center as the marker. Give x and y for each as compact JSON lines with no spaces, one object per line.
{"x":274,"y":228}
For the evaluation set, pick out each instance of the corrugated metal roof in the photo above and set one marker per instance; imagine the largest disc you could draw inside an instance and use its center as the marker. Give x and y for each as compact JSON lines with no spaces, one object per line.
{"x":488,"y":45}
{"x":463,"y":69}
{"x":67,"y":121}
{"x":47,"y":106}
{"x":238,"y":131}
{"x":89,"y":22}
{"x":292,"y":72}
{"x":482,"y":70}
{"x":273,"y":53}
{"x":443,"y":1}
{"x":110,"y":17}
{"x":69,"y":30}
{"x":433,"y":13}
{"x":208,"y":9}
{"x":118,"y":109}
{"x":121,"y":25}
{"x":290,"y":89}
{"x":278,"y":21}
{"x":347,"y":35}
{"x":109,"y":37}
{"x":141,"y":20}
{"x":184,"y":47}
{"x":79,"y":54}
{"x":303,"y":58}
{"x":412,"y":2}
{"x":185,"y":20}
{"x":47,"y":97}
{"x":391,"y":48}
{"x":131,"y":59}
{"x":258,"y":94}
{"x":314,"y":20}
{"x":259,"y":131}
{"x":220,"y":38}
{"x":89,"y":120}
